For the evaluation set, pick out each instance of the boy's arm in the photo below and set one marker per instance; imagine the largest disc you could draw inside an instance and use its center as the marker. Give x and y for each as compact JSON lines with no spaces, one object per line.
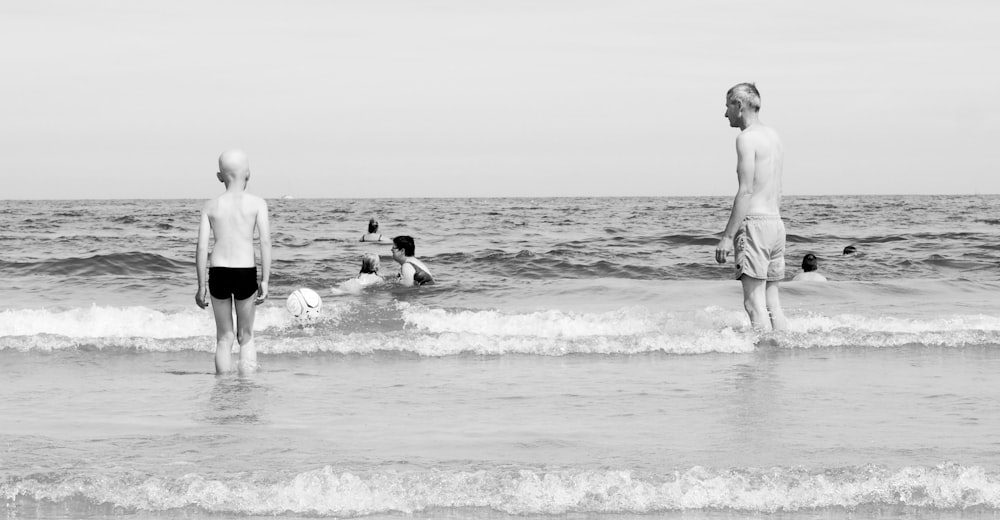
{"x":264,"y":230}
{"x":201,"y":260}
{"x":745,"y":171}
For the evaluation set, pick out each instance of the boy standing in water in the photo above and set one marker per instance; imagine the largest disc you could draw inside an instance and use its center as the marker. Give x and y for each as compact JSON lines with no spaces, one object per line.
{"x":232,"y":217}
{"x":755,"y":229}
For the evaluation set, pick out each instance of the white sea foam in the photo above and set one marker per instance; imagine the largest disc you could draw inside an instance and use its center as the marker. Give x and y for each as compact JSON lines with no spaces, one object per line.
{"x":346,"y":327}
{"x":117,"y":322}
{"x":328,"y":491}
{"x":850,"y":330}
{"x":631,"y":321}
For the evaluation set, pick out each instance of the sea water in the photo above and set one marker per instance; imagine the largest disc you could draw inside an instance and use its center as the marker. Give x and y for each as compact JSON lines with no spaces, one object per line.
{"x":578,"y":358}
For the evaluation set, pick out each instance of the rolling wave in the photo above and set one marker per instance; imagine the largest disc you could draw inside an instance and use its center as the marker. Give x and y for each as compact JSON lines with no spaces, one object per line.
{"x":412,"y":329}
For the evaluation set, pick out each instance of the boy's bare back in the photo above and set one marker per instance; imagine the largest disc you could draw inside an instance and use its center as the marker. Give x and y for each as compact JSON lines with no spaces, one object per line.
{"x":232,"y":217}
{"x":232,"y":279}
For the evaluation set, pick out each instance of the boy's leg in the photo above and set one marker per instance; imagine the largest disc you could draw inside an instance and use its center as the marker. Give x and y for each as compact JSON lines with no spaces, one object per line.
{"x":224,"y":334}
{"x":246,"y":310}
{"x":778,"y":321}
{"x":754,"y":302}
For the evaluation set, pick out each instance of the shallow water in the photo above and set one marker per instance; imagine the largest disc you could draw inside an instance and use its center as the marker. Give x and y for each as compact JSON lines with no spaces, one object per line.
{"x":581,"y":358}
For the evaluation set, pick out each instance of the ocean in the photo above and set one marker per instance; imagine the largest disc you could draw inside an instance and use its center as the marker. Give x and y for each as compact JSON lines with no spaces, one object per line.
{"x":579,"y":358}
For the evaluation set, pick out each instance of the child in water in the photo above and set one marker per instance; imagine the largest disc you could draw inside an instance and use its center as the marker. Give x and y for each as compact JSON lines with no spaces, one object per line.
{"x":232,"y":278}
{"x":369,"y":270}
{"x":366,"y":277}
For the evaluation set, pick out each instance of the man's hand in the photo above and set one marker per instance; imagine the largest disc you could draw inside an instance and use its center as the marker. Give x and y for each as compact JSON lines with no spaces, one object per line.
{"x":201,"y":297}
{"x":723,"y":249}
{"x":261,"y":293}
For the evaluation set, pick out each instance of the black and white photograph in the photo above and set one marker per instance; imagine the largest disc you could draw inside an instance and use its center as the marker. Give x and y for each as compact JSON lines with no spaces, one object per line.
{"x":499,"y":260}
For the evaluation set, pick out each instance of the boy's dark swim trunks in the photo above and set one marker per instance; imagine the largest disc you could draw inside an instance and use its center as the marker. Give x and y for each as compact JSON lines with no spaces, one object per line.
{"x":236,"y":282}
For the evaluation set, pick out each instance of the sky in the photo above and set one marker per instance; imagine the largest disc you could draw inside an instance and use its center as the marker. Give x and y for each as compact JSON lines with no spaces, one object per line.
{"x":472,"y":98}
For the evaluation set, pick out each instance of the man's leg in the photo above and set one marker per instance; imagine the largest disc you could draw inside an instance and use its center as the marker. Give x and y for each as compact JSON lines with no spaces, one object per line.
{"x":246,"y":310}
{"x":754,"y":301}
{"x":778,"y":321}
{"x":224,"y":334}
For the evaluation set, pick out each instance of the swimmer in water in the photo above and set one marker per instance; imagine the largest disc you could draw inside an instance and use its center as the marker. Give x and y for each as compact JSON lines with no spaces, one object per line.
{"x":412,"y":271}
{"x":369,"y":270}
{"x":366,"y":277}
{"x":810,"y":271}
{"x":372,"y":235}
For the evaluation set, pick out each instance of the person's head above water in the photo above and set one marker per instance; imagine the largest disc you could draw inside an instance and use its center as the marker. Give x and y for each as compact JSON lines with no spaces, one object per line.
{"x":372,"y":226}
{"x":369,"y":263}
{"x":850,"y":250}
{"x":405,"y":244}
{"x":809,"y":263}
{"x":234,"y":166}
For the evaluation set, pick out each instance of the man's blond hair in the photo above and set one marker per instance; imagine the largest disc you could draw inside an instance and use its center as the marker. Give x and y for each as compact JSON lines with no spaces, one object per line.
{"x":746,"y":94}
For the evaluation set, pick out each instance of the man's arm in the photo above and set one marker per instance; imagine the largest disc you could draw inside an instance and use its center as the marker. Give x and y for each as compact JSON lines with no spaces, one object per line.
{"x":201,"y":260}
{"x":406,"y":272}
{"x":745,"y":170}
{"x":264,"y":230}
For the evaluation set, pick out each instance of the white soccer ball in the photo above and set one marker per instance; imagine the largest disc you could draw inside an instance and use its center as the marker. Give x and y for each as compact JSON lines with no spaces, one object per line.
{"x":304,"y":303}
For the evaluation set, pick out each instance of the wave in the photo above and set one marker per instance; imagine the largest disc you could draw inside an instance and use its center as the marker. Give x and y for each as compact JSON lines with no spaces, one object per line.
{"x":330,"y":491}
{"x":350,"y":328}
{"x":99,"y":322}
{"x":118,"y":264}
{"x":353,"y":327}
{"x":125,"y":219}
{"x":570,"y":261}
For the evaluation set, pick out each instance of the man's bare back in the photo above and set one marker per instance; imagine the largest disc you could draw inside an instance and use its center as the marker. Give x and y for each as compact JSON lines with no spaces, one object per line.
{"x":763,"y":146}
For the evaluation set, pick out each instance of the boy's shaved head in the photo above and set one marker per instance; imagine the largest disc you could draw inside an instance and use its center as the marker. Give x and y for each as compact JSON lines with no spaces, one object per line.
{"x":233,"y":164}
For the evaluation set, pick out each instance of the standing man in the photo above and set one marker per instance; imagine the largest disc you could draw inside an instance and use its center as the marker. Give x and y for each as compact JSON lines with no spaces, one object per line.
{"x":755,"y":229}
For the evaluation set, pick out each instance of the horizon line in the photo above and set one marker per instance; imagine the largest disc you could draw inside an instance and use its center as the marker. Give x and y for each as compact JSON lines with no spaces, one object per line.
{"x":291,"y":197}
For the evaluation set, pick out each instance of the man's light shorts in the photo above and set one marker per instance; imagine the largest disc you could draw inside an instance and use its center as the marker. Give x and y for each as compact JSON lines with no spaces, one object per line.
{"x":760,"y":248}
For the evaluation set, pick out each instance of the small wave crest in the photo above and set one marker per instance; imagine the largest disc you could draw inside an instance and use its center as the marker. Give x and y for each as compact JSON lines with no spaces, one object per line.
{"x":119,"y":264}
{"x":852,"y":330}
{"x":521,"y":491}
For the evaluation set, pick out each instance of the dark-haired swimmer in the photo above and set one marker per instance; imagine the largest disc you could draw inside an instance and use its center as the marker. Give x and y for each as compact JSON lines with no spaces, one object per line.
{"x":411,"y":270}
{"x":372,"y":235}
{"x":809,"y":270}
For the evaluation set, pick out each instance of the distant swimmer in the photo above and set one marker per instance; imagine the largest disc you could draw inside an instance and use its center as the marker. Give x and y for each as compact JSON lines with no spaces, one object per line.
{"x":372,"y":235}
{"x":232,"y":278}
{"x":850,"y":250}
{"x":411,"y":270}
{"x":810,"y":271}
{"x":755,"y":229}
